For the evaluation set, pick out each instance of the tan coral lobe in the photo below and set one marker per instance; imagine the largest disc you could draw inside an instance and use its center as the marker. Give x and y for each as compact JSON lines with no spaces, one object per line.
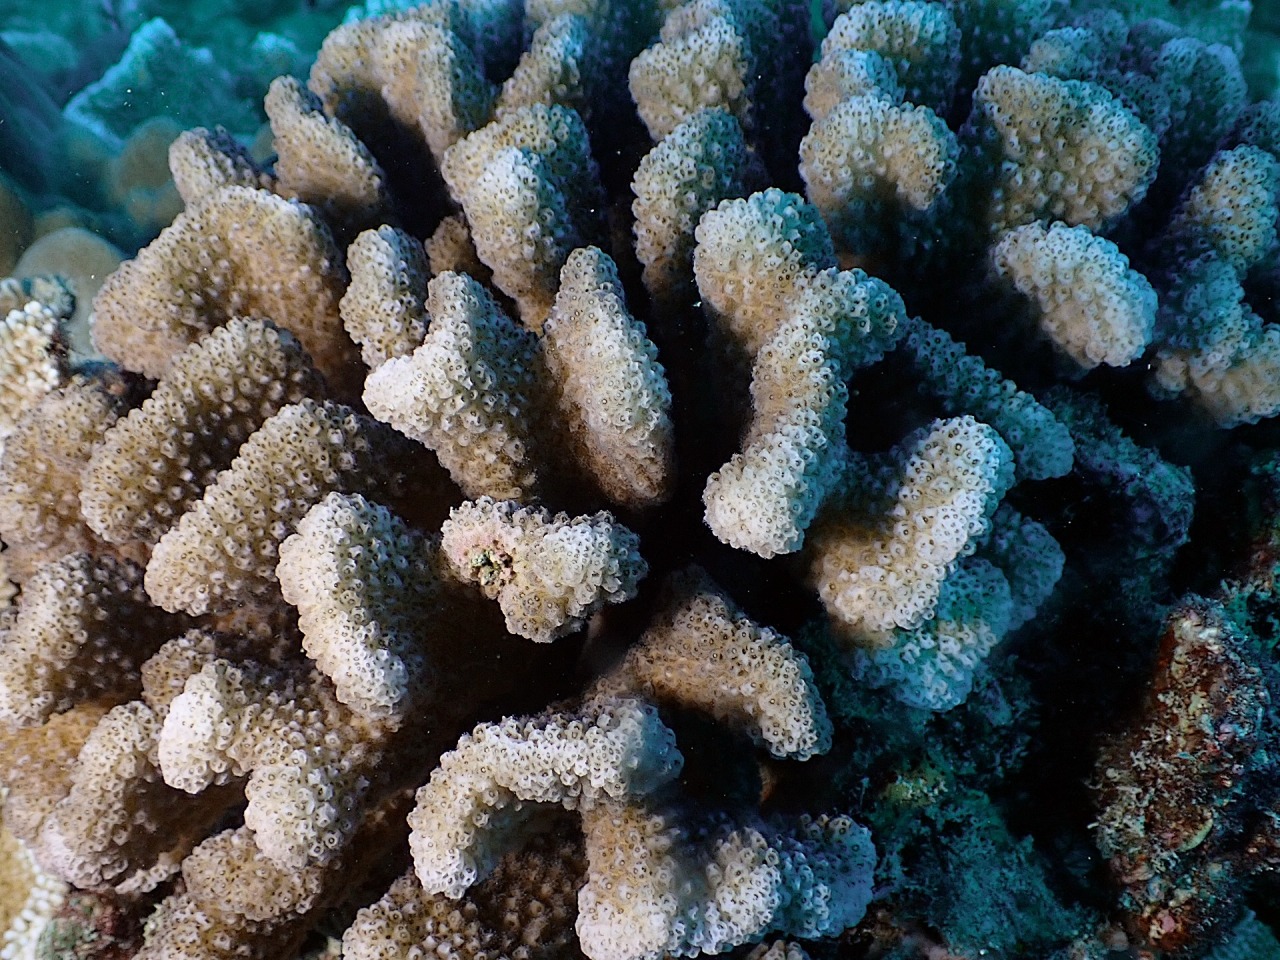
{"x":530,"y":190}
{"x":321,"y":162}
{"x":29,"y":363}
{"x":526,"y":907}
{"x":660,"y":882}
{"x":202,"y":161}
{"x":81,"y":631}
{"x":703,"y":652}
{"x":701,"y":162}
{"x":215,"y":394}
{"x":696,"y":65}
{"x":752,"y":256}
{"x":41,"y":479}
{"x":235,"y":252}
{"x":476,"y":804}
{"x":470,"y":392}
{"x":385,"y":307}
{"x":280,"y":728}
{"x":365,"y":587}
{"x":947,"y":481}
{"x":119,"y":823}
{"x":303,"y":452}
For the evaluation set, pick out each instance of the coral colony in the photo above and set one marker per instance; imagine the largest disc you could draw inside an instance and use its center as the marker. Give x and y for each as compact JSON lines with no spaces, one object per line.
{"x":641,"y":479}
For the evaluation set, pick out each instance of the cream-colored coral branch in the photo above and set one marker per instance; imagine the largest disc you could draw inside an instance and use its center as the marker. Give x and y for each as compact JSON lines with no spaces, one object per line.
{"x":30,"y":361}
{"x":548,"y":573}
{"x":223,"y":551}
{"x":365,"y":588}
{"x":470,"y":392}
{"x":611,"y":389}
{"x":81,"y":630}
{"x":530,"y":191}
{"x":933,"y":498}
{"x":489,"y":922}
{"x":659,"y":883}
{"x":765,"y":497}
{"x":321,"y":162}
{"x":234,"y":252}
{"x":41,"y":479}
{"x":307,"y":757}
{"x":477,"y":804}
{"x":693,"y":168}
{"x":385,"y":307}
{"x":120,"y":824}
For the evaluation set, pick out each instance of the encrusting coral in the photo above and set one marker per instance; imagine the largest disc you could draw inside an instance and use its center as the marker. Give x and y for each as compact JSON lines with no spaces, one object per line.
{"x":1177,"y":820}
{"x":748,"y":421}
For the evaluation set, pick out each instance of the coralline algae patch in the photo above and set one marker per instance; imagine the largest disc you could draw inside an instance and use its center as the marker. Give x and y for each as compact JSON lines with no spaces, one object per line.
{"x":635,"y":480}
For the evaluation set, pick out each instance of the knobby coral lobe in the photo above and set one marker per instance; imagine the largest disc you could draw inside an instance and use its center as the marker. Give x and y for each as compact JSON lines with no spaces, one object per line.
{"x":841,"y":505}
